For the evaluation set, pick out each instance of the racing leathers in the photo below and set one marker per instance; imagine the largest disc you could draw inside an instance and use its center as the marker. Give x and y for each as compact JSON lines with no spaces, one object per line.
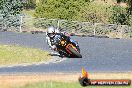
{"x":51,"y":41}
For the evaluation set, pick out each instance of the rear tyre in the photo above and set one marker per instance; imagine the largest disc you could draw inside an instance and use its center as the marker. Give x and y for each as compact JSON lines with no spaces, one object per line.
{"x":75,"y":52}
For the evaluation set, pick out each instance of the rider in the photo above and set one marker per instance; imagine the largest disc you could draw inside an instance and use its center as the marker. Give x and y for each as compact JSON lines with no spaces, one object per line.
{"x":50,"y":35}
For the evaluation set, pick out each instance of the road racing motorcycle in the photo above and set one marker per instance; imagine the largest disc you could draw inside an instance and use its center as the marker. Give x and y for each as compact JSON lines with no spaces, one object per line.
{"x":66,"y":46}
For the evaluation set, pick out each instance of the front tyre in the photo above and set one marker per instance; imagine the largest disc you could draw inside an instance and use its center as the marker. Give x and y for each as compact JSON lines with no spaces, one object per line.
{"x":74,"y":52}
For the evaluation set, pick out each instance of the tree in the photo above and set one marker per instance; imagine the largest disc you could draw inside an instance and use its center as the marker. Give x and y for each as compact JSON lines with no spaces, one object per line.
{"x":119,"y":15}
{"x":9,"y":10}
{"x":129,"y":3}
{"x":128,"y":14}
{"x":11,"y":7}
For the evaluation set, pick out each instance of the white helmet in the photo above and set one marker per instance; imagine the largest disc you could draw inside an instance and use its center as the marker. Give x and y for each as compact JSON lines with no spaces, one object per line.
{"x":51,"y":31}
{"x":57,"y":31}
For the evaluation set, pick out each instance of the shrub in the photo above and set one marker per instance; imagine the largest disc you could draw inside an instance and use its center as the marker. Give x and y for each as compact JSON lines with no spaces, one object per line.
{"x":119,"y":15}
{"x":61,"y":9}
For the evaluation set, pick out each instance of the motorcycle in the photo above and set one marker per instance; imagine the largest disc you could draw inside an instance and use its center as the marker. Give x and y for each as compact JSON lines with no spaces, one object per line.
{"x":67,"y":47}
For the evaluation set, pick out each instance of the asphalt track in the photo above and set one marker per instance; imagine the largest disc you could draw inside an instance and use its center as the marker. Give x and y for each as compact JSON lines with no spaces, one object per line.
{"x":99,"y":54}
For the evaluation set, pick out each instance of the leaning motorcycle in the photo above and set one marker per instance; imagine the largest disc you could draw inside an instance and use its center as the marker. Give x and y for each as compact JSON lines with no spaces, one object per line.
{"x":67,"y":47}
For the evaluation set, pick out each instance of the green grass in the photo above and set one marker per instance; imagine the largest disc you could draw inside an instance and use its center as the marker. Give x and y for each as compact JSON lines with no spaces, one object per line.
{"x":11,"y":54}
{"x":64,"y":85}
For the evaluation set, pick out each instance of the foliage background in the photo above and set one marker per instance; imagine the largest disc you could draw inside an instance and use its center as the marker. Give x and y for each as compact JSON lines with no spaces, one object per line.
{"x":80,"y":10}
{"x":85,"y":10}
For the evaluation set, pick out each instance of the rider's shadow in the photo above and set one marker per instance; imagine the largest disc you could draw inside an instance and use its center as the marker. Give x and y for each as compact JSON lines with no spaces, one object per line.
{"x":57,"y":55}
{"x":54,"y":54}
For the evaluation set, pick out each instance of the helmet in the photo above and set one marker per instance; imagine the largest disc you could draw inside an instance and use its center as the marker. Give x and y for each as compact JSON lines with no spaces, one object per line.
{"x":51,"y":31}
{"x":57,"y":31}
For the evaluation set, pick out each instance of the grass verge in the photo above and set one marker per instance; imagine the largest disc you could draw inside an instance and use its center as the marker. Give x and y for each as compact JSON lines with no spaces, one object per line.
{"x":11,"y":54}
{"x":56,"y":80}
{"x":64,"y":85}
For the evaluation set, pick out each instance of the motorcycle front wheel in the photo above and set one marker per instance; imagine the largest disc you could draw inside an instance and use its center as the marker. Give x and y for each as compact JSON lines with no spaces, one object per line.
{"x":74,"y":52}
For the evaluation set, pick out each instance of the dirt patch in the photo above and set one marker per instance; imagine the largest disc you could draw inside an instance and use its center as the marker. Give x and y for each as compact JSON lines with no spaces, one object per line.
{"x":7,"y":81}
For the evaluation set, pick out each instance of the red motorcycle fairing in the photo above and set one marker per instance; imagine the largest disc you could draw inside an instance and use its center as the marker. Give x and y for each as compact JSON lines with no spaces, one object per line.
{"x":72,"y":47}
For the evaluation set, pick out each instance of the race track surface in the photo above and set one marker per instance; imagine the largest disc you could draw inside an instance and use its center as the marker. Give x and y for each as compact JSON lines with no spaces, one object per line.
{"x":99,"y":54}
